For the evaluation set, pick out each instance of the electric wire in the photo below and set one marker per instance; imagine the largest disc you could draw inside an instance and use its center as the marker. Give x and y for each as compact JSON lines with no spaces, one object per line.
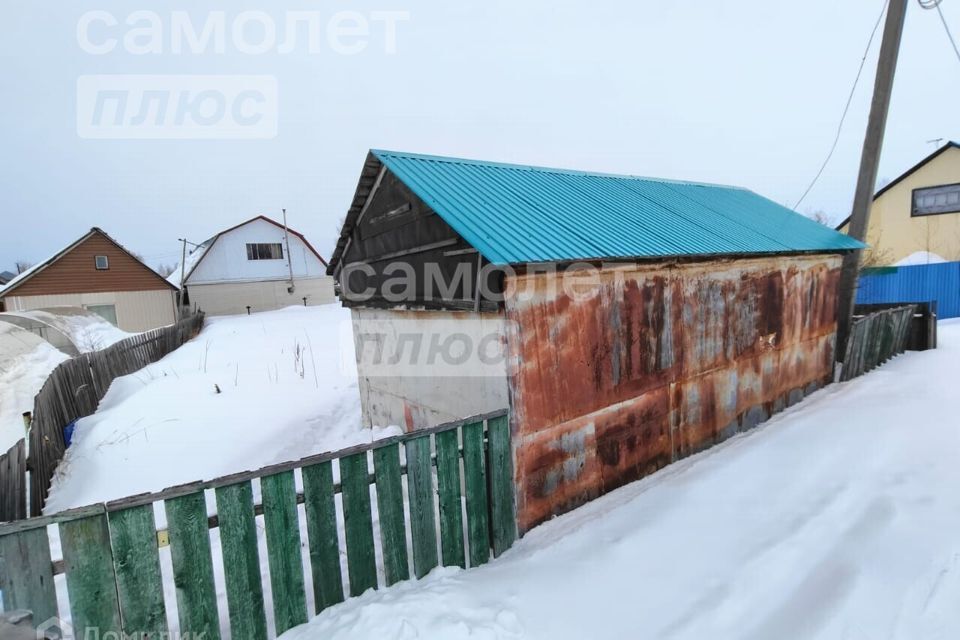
{"x":846,"y":107}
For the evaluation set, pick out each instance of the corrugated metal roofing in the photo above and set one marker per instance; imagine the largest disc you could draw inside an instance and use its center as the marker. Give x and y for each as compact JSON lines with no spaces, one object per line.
{"x":519,"y":214}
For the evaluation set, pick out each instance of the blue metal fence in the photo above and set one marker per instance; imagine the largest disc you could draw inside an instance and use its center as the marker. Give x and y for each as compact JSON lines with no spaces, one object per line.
{"x":921,"y":283}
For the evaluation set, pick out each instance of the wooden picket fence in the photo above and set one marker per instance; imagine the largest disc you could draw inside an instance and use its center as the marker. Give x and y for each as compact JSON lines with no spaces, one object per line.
{"x":112,"y":551}
{"x":875,"y":338}
{"x":72,"y":391}
{"x":13,"y":482}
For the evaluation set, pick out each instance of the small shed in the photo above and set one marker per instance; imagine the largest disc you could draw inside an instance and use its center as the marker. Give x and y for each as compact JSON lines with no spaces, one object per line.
{"x":257,"y":265}
{"x":95,"y":273}
{"x":696,"y":311}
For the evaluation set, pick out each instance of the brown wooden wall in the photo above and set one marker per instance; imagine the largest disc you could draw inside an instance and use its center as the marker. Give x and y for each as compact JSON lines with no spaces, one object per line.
{"x":655,"y":363}
{"x":76,"y":272}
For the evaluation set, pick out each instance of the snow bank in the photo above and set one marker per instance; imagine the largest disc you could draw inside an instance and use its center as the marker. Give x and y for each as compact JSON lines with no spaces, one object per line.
{"x":920,"y":257}
{"x":84,"y":329}
{"x":247,"y":392}
{"x":25,"y":362}
{"x":836,"y":519}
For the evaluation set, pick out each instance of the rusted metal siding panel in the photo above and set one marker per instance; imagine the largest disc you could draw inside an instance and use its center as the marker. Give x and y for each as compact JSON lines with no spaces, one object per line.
{"x":656,"y":363}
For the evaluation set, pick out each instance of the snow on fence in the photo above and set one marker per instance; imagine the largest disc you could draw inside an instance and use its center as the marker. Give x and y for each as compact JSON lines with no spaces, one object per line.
{"x":875,"y":338}
{"x":112,"y":552}
{"x":72,"y":391}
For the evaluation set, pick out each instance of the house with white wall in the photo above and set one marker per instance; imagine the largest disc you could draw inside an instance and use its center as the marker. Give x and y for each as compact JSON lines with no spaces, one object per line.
{"x":258,"y":265}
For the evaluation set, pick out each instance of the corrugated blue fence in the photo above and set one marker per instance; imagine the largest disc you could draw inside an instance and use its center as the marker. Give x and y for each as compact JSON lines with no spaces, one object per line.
{"x":921,"y":283}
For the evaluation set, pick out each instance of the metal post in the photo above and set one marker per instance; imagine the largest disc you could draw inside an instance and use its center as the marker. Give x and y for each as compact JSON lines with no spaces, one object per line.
{"x":869,"y":161}
{"x":286,"y":239}
{"x":183,"y":266}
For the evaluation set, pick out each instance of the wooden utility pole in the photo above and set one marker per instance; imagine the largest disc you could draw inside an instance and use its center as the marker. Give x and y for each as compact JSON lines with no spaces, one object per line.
{"x":869,"y":161}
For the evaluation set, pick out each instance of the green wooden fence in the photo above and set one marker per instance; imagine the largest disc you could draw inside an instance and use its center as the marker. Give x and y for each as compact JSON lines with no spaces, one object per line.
{"x":442,"y":496}
{"x":875,"y":338}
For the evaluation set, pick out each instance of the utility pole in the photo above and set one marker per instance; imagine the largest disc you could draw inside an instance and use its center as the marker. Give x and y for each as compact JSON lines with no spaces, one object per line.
{"x":869,"y":161}
{"x":286,"y":238}
{"x":183,"y":261}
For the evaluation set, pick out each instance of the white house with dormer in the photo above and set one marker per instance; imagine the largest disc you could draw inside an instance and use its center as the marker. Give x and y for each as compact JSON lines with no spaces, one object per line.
{"x":258,"y":265}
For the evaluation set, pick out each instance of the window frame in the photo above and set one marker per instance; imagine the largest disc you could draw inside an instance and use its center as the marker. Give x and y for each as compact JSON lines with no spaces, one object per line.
{"x":105,"y":305}
{"x":254,"y":254}
{"x":106,"y":261}
{"x":913,"y":201}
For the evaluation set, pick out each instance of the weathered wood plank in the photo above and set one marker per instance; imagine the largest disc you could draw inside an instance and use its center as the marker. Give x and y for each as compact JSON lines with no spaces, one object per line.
{"x":91,"y":582}
{"x":13,"y":483}
{"x":503,"y":514}
{"x":423,"y":526}
{"x":448,"y":484}
{"x":279,"y":495}
{"x":192,"y":565}
{"x":358,"y":523}
{"x":133,"y":534}
{"x":393,"y":537}
{"x":26,"y":574}
{"x":475,"y":485}
{"x":241,"y":562}
{"x":321,"y":511}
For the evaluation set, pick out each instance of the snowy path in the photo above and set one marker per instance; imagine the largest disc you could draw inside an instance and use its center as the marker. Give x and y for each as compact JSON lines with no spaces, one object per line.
{"x":247,"y":392}
{"x":839,"y":518}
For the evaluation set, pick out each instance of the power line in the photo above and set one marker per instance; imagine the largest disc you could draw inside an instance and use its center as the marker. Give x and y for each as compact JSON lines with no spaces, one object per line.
{"x":846,"y":107}
{"x":935,"y":4}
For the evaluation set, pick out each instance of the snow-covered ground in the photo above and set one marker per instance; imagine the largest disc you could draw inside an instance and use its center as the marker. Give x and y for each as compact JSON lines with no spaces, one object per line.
{"x":25,"y":362}
{"x":839,"y":518}
{"x":247,"y":392}
{"x":26,"y":359}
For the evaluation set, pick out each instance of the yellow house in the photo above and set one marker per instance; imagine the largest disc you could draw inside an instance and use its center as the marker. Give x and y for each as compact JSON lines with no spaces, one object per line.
{"x":916,"y":218}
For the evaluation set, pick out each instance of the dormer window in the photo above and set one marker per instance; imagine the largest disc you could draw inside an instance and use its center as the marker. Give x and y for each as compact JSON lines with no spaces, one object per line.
{"x":934,"y":200}
{"x":102,"y":263}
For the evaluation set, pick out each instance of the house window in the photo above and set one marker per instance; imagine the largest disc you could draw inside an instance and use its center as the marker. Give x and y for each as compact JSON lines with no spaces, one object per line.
{"x":934,"y":200}
{"x":102,"y":262}
{"x":265,"y":251}
{"x":106,"y":311}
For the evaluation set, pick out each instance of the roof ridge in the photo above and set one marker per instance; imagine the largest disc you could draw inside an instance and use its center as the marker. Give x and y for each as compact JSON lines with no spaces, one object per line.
{"x":379,"y":153}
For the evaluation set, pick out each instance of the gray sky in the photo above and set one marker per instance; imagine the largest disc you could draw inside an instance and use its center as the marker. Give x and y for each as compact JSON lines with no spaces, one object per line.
{"x":739,"y":92}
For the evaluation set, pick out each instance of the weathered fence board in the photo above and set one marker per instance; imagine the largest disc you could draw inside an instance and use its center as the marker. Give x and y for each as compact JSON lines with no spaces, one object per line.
{"x":13,"y":483}
{"x":422,"y":519}
{"x":321,"y":512}
{"x":241,"y":562}
{"x":448,"y":486}
{"x":475,"y":485}
{"x":133,"y":536}
{"x":279,"y":496}
{"x":358,"y":523}
{"x":26,"y":573}
{"x":111,"y":552}
{"x":501,"y":485}
{"x":393,"y":538}
{"x":91,"y":581}
{"x":875,"y":338}
{"x":192,"y":565}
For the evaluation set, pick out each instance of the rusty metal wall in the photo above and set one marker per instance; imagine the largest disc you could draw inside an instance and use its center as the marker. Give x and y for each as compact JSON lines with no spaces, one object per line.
{"x":653,"y":363}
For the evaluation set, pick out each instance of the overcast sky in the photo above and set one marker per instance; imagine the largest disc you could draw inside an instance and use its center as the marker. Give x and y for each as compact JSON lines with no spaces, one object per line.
{"x":730,"y":91}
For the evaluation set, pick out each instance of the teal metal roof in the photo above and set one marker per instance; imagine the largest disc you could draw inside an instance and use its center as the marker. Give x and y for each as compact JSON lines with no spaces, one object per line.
{"x":519,"y":214}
